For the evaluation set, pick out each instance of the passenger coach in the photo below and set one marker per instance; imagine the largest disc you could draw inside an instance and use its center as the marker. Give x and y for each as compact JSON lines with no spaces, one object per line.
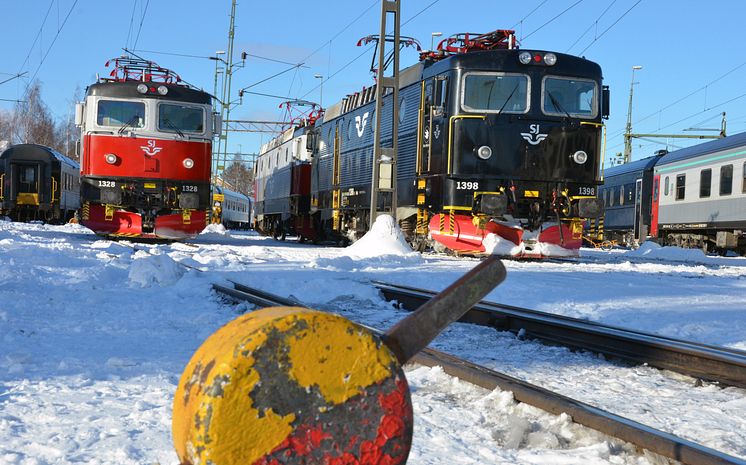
{"x":38,"y":183}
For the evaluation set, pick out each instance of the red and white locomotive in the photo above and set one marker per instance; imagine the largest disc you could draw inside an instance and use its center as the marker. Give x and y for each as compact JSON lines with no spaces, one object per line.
{"x":146,"y":153}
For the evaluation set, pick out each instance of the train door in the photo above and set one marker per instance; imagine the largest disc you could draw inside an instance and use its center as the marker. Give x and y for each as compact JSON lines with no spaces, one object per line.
{"x":432,"y":117}
{"x":26,"y":178}
{"x":654,"y":205}
{"x":640,"y":227}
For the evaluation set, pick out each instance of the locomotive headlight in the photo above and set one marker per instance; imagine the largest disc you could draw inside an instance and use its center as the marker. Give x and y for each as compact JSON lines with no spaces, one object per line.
{"x":188,"y":163}
{"x":110,"y":158}
{"x":525,"y":58}
{"x":579,"y":157}
{"x":163,"y":90}
{"x":484,"y":152}
{"x":550,"y":59}
{"x":142,"y":88}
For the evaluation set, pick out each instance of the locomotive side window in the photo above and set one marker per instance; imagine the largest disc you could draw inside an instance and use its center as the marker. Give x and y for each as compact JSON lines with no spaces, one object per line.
{"x":705,"y":183}
{"x":680,"y":186}
{"x":621,"y":195}
{"x":119,"y":113}
{"x":656,"y":189}
{"x":180,"y":118}
{"x":726,"y":180}
{"x":743,"y":179}
{"x":665,"y":189}
{"x":574,"y":97}
{"x":495,"y":92}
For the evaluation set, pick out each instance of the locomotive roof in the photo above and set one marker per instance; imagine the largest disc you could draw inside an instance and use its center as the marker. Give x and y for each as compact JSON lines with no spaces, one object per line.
{"x":637,"y":165}
{"x":717,"y":145}
{"x":36,"y":152}
{"x":507,"y":60}
{"x":128,"y":89}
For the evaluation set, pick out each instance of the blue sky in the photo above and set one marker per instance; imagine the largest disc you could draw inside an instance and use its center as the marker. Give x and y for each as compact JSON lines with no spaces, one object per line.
{"x":686,"y":50}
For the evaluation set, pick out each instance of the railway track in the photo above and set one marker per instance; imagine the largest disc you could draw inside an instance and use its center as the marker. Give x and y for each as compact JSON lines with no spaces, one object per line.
{"x":711,"y":363}
{"x":656,"y":441}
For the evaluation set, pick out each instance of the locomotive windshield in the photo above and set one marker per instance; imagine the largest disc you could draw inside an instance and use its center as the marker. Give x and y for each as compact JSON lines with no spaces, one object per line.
{"x":495,"y":93}
{"x":571,"y":97}
{"x":180,"y":118}
{"x":118,"y":113}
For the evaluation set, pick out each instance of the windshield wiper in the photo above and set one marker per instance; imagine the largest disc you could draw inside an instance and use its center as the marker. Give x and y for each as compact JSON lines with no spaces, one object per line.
{"x":170,"y":125}
{"x":129,"y":123}
{"x":557,"y":105}
{"x":508,"y":99}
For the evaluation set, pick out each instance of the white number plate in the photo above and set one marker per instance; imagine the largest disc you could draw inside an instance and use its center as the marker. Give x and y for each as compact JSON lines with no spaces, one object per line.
{"x":107,"y":184}
{"x":189,"y":189}
{"x":585,"y":190}
{"x":467,"y":185}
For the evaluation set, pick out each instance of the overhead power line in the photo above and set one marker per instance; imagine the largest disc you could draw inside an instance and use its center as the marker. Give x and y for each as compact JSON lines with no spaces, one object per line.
{"x":552,"y":20}
{"x":529,"y":14}
{"x":612,"y":25}
{"x":132,"y":20}
{"x":594,"y":23}
{"x":59,"y":30}
{"x":38,"y":34}
{"x":142,"y":19}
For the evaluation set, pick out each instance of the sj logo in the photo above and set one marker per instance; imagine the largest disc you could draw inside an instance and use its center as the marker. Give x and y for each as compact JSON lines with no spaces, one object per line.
{"x":151,"y":149}
{"x":533,"y":137}
{"x":360,"y":124}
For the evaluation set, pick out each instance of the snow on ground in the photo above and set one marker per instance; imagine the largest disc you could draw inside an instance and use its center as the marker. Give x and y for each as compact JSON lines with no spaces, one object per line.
{"x":94,"y":335}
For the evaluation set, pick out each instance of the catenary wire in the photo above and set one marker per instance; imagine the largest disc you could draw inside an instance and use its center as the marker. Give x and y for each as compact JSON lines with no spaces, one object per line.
{"x":38,"y":34}
{"x":132,"y":20}
{"x":594,"y":23}
{"x":62,"y":26}
{"x":612,"y":25}
{"x":142,"y":19}
{"x":552,"y":20}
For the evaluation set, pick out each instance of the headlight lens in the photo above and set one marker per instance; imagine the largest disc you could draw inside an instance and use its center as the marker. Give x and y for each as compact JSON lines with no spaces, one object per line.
{"x":142,"y":88}
{"x":580,"y":157}
{"x":188,"y":163}
{"x":163,"y":90}
{"x":525,"y":58}
{"x":484,"y":152}
{"x":550,"y":59}
{"x":110,"y":158}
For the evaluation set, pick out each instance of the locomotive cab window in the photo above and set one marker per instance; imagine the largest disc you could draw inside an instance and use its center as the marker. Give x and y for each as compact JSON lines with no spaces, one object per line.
{"x":573,"y":97}
{"x":180,"y":118}
{"x":120,"y":113}
{"x":743,"y":179}
{"x":495,"y":93}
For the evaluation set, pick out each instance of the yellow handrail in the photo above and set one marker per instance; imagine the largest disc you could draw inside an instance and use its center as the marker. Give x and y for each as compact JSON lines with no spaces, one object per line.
{"x":2,"y":186}
{"x":54,"y":189}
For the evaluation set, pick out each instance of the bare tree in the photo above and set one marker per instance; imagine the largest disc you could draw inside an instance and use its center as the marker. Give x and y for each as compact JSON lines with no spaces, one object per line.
{"x":32,"y":122}
{"x":239,"y":177}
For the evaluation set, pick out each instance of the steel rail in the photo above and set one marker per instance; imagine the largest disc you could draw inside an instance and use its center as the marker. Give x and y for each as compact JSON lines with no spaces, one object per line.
{"x":711,"y":363}
{"x":656,"y":441}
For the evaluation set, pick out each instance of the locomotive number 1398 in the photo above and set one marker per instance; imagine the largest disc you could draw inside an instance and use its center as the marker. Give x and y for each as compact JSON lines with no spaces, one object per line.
{"x":467,"y":185}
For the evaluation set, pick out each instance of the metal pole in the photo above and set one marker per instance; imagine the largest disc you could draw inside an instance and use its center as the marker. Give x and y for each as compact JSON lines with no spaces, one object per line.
{"x":384,"y":158}
{"x":226,"y":106}
{"x":628,"y":131}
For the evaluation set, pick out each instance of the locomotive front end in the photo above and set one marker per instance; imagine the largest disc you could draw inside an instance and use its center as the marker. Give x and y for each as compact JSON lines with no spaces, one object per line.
{"x":146,"y":154}
{"x":522,"y":155}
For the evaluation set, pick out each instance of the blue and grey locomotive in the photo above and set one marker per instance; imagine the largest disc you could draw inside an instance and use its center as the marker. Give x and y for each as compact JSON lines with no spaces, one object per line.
{"x":499,"y":150}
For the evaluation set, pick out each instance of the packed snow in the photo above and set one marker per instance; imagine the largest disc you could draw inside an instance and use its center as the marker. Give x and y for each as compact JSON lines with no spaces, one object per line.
{"x":94,"y":335}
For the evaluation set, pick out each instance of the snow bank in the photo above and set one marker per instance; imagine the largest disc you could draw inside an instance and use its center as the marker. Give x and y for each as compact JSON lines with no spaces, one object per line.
{"x":215,"y":230}
{"x":496,"y":245}
{"x":147,"y":269}
{"x":384,"y":238}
